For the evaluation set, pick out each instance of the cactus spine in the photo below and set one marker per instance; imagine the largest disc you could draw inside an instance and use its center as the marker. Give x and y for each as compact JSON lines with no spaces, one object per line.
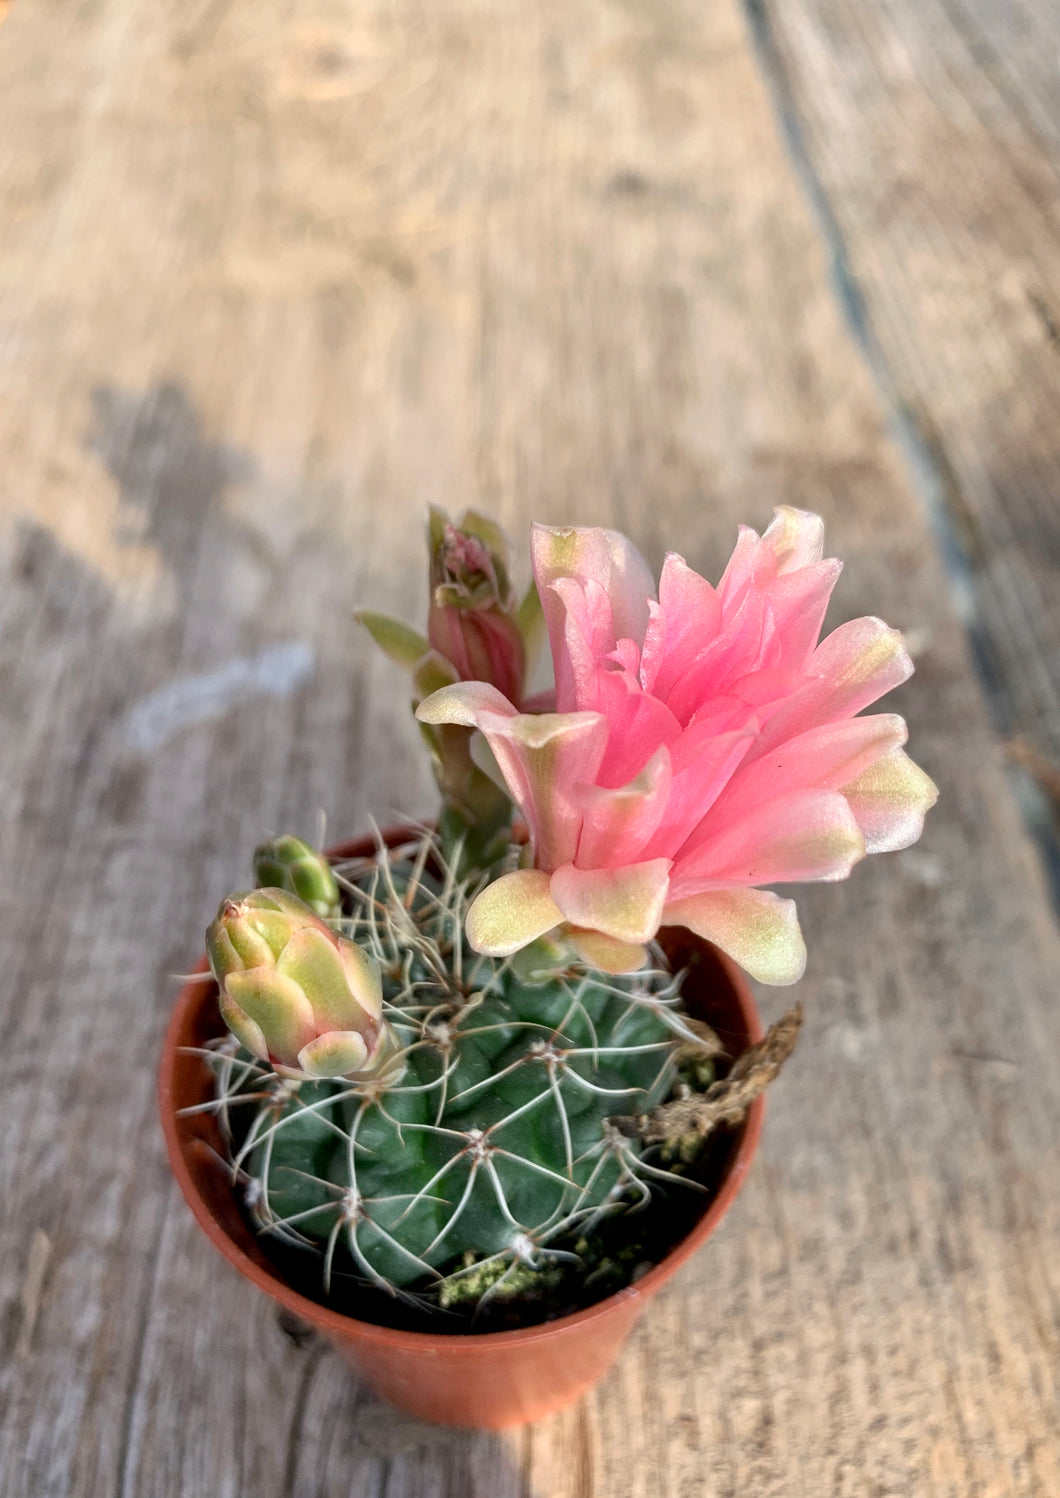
{"x":452,"y":1175}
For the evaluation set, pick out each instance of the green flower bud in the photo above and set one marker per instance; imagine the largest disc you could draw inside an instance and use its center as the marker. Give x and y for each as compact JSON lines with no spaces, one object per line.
{"x":294,"y":993}
{"x":288,"y":863}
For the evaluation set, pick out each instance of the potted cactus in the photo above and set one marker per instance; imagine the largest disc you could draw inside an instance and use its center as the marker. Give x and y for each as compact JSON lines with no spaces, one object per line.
{"x":465,"y":1095}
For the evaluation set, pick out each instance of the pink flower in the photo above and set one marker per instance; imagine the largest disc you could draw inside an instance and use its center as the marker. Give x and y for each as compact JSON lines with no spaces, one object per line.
{"x":703,"y":745}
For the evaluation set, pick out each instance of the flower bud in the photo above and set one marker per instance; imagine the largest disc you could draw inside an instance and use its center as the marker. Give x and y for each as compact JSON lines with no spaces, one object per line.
{"x":288,"y":863}
{"x":293,"y":992}
{"x":472,"y":620}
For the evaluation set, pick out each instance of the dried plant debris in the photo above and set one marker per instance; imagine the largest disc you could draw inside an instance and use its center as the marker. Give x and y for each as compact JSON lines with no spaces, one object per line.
{"x":705,"y":1047}
{"x":691,"y":1116}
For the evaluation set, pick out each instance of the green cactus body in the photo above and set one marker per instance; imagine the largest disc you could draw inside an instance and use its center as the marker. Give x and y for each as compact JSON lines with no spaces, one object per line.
{"x":495,"y":1139}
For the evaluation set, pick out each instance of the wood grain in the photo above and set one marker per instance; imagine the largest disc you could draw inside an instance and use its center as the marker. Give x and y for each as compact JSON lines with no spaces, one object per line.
{"x":929,"y":136}
{"x":271,"y":280}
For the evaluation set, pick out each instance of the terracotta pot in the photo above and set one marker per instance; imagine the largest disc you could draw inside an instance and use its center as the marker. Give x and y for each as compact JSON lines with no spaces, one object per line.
{"x":488,"y":1380}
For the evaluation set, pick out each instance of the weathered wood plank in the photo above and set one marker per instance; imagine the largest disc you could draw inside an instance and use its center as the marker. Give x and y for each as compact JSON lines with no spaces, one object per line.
{"x":269,"y":283}
{"x":929,"y":133}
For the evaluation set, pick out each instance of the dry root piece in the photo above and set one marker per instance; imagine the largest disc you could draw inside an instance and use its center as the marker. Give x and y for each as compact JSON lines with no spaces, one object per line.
{"x":706,"y":1046}
{"x":696,"y":1114}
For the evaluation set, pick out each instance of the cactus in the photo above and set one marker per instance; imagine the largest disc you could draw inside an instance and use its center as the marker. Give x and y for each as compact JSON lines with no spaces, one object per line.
{"x":452,"y":1174}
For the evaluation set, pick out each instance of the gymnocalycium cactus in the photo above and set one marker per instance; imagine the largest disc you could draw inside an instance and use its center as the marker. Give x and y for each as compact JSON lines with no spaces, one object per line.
{"x":492,"y":1138}
{"x":450,"y":1063}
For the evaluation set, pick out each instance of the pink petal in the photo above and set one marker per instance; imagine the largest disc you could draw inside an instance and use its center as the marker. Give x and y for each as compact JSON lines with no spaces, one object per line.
{"x":808,"y":835}
{"x":827,"y":758}
{"x":627,"y":655}
{"x":542,"y":757}
{"x":859,"y":662}
{"x":761,"y":689}
{"x":585,"y":554}
{"x":638,"y":725}
{"x":617,"y":824}
{"x":623,"y":903}
{"x":725,"y":713}
{"x":702,"y":763}
{"x":588,"y":637}
{"x":733,"y":652}
{"x":889,"y":801}
{"x":740,"y":567}
{"x":690,"y":613}
{"x":756,"y":928}
{"x":852,"y":667}
{"x":795,"y":537}
{"x":798,"y":602}
{"x":652,"y":651}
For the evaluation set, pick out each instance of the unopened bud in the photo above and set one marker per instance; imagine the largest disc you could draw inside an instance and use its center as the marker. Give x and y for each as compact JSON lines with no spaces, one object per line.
{"x":295,"y":993}
{"x":288,"y":863}
{"x":472,"y":619}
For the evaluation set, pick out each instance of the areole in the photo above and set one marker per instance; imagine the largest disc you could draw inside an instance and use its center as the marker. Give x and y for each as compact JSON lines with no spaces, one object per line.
{"x":490,"y":1379}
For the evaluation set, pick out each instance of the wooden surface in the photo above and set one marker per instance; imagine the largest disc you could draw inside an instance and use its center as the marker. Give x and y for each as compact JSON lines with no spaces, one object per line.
{"x":927,"y":135}
{"x":274,"y":277}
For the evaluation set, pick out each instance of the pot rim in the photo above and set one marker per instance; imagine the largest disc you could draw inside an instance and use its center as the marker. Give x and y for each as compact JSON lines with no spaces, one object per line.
{"x":196,"y":993}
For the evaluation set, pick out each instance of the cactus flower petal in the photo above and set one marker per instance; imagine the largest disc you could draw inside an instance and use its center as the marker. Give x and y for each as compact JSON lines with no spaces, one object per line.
{"x":334,"y":1054}
{"x":856,"y":665}
{"x":363,"y":977}
{"x":277,"y":1005}
{"x":241,"y":947}
{"x":625,"y":904}
{"x":796,"y":538}
{"x":245,"y":1030}
{"x":618,"y":823}
{"x":607,"y":954}
{"x":828,"y":757}
{"x":889,"y":800}
{"x":312,"y":960}
{"x":755,"y":927}
{"x":462,"y":703}
{"x":222,"y":952}
{"x":511,"y":912}
{"x":721,"y":742}
{"x":810,"y":835}
{"x":601,"y":557}
{"x":542,"y":756}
